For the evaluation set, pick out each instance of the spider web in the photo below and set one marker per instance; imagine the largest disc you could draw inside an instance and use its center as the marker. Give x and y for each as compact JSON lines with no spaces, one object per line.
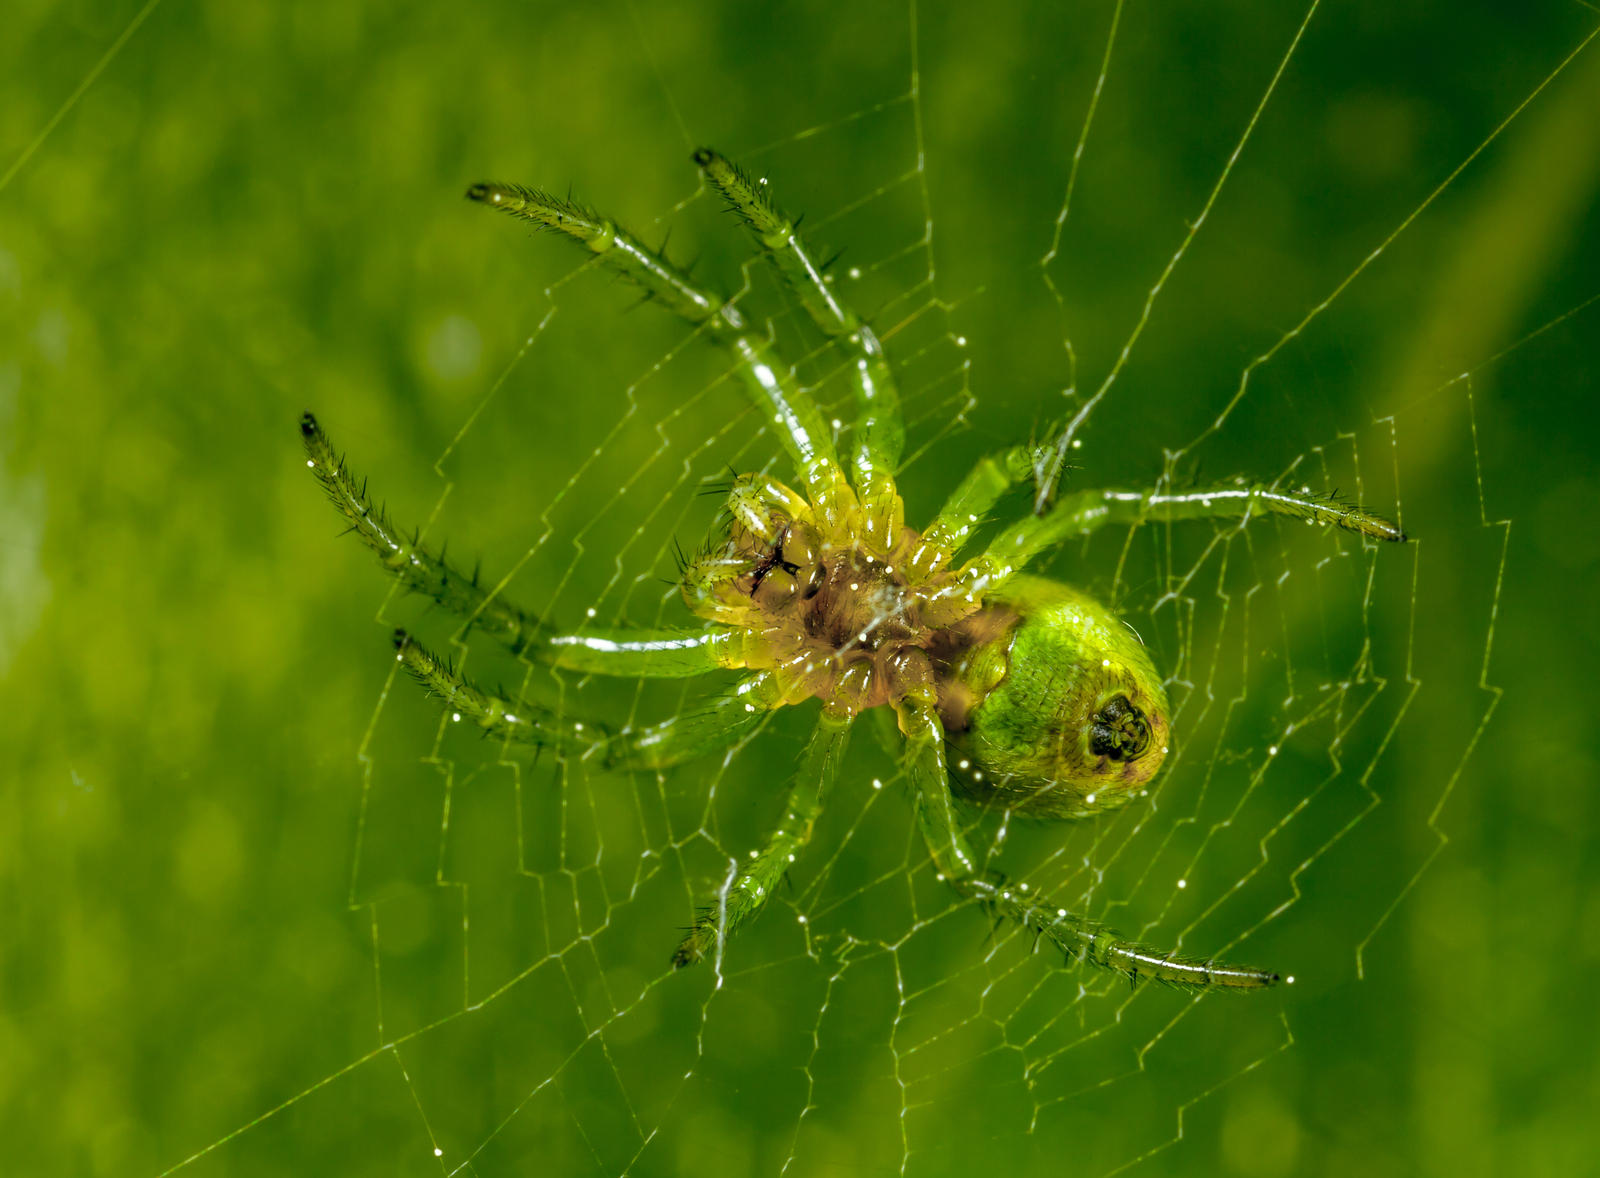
{"x":521,"y":914}
{"x":869,"y":1023}
{"x":1128,"y":258}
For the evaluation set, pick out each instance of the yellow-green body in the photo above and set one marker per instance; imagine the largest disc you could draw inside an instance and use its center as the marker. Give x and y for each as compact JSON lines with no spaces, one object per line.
{"x":1037,"y":690}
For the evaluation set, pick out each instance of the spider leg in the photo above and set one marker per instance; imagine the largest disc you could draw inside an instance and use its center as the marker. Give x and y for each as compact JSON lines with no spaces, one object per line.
{"x":1087,"y":511}
{"x":724,"y":720}
{"x":880,"y":428}
{"x":1078,"y":937}
{"x":417,"y":568}
{"x":644,"y":654}
{"x":1241,"y":502}
{"x":748,"y":893}
{"x":990,"y":478}
{"x":639,"y":654}
{"x":769,"y":382}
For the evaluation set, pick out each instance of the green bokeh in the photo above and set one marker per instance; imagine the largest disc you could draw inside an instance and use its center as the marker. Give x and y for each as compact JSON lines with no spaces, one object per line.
{"x":256,"y":209}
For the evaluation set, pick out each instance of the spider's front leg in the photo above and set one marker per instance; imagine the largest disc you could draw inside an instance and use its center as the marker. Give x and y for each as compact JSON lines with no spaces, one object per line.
{"x":768,"y":381}
{"x":1078,"y":937}
{"x":879,"y":427}
{"x":748,"y":892}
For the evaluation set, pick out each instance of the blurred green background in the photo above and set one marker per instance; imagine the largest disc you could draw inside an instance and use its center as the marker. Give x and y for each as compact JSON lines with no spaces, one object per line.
{"x":228,"y":879}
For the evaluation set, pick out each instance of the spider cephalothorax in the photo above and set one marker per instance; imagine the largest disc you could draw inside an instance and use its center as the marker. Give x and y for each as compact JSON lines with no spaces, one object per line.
{"x":1050,"y":703}
{"x":832,"y":615}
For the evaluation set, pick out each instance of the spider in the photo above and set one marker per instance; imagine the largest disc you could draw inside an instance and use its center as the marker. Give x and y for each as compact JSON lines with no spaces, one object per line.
{"x":1048,"y":705}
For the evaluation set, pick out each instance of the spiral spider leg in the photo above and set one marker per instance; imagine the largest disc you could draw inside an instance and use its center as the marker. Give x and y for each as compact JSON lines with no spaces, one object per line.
{"x":749,"y":891}
{"x":1078,"y":937}
{"x":769,"y":382}
{"x":724,"y":720}
{"x":880,"y":427}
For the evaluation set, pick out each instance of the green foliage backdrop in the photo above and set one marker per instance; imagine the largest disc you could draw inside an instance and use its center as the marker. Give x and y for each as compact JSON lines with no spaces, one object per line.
{"x":256,"y":209}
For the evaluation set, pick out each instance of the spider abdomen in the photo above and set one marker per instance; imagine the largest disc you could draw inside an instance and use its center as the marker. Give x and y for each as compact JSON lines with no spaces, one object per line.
{"x":1064,"y":715}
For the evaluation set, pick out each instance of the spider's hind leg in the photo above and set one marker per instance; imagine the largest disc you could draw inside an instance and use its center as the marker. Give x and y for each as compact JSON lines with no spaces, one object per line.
{"x":1078,"y":937}
{"x":749,"y":890}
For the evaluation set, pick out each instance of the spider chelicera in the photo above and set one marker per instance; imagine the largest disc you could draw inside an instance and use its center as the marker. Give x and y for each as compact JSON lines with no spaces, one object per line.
{"x":820,"y":590}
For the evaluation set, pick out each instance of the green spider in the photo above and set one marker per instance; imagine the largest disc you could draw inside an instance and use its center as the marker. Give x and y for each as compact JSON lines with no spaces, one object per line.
{"x":1052,"y":704}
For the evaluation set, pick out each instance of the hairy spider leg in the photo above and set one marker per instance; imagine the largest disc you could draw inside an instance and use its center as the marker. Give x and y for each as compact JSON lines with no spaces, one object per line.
{"x":749,"y":892}
{"x":637,"y":654}
{"x":1078,"y":937}
{"x":770,"y":383}
{"x":1085,"y":511}
{"x":415,"y":567}
{"x":724,"y":720}
{"x":879,"y":430}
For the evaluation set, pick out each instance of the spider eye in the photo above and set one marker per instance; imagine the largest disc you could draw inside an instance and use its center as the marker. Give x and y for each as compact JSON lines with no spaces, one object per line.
{"x":1120,"y":731}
